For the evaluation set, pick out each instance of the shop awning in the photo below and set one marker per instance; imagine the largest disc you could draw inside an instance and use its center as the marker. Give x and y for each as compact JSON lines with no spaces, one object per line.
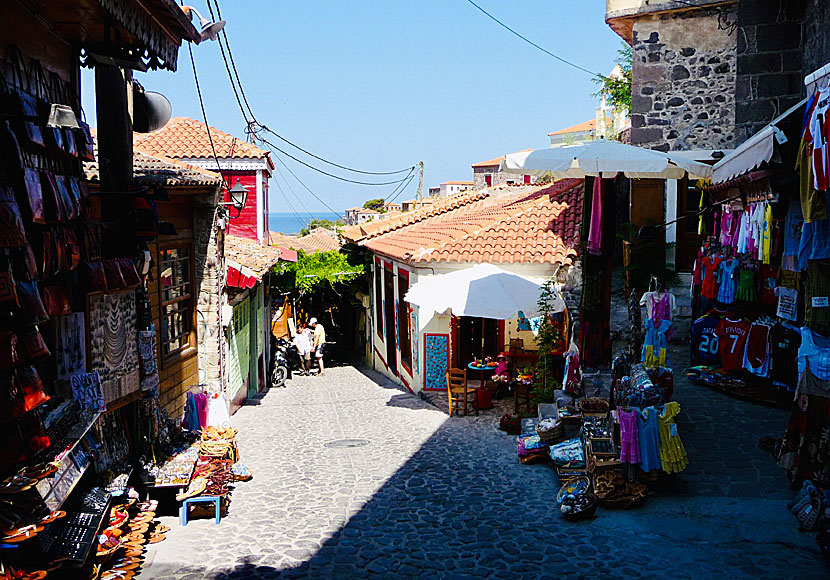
{"x":756,"y":150}
{"x":248,"y":261}
{"x":606,"y":158}
{"x":240,"y":276}
{"x":483,"y":290}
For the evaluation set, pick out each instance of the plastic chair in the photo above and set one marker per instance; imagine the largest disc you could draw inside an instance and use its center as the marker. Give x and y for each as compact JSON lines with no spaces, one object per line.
{"x":458,"y":392}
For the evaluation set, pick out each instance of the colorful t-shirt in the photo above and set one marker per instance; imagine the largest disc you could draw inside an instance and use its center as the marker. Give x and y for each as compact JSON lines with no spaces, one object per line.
{"x":769,"y":282}
{"x":756,"y":352}
{"x":787,"y":303}
{"x":704,"y":341}
{"x":817,"y":296}
{"x":784,"y":343}
{"x":732,"y":339}
{"x":728,"y":280}
{"x":710,"y":283}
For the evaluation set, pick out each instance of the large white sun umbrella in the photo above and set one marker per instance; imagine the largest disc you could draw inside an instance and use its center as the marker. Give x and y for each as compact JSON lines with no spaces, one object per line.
{"x":606,"y":158}
{"x":484,"y":290}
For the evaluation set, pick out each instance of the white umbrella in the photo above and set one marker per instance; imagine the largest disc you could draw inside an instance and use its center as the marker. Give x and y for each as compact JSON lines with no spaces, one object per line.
{"x":484,"y":290}
{"x":605,"y":157}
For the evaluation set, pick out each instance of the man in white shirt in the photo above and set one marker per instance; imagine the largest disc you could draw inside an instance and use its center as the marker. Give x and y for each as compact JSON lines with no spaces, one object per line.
{"x":319,"y":343}
{"x":302,"y":342}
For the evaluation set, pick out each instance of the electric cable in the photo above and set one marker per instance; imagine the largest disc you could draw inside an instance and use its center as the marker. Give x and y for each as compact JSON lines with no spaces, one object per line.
{"x":294,"y":211}
{"x":400,"y":188}
{"x":204,"y":116}
{"x":297,"y":197}
{"x":530,"y":42}
{"x":254,"y":121}
{"x":307,"y":188}
{"x":332,"y":175}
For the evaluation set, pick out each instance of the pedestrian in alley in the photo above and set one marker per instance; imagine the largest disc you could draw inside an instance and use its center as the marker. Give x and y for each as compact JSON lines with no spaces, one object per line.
{"x":302,"y":342}
{"x":319,"y":344}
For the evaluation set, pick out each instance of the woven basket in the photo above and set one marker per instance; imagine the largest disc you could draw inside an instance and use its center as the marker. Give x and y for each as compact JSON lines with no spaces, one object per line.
{"x":554,"y":435}
{"x":594,"y":407}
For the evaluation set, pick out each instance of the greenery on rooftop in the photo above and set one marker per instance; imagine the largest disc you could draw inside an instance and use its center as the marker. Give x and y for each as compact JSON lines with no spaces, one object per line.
{"x":618,"y":89}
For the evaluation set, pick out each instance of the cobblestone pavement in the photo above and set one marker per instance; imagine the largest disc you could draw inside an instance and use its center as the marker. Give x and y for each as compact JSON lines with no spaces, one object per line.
{"x":435,"y":497}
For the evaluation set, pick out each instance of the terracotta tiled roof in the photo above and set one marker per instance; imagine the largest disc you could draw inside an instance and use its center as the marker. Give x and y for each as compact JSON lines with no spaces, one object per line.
{"x":496,"y":161}
{"x":183,"y":137}
{"x":586,"y":126}
{"x":368,"y":230}
{"x":541,"y":226}
{"x":458,"y":183}
{"x":319,"y":242}
{"x":251,"y":254}
{"x":153,"y":170}
{"x":314,"y":241}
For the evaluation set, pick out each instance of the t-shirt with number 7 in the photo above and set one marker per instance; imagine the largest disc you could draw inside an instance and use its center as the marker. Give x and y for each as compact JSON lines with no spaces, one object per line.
{"x":732,"y":340}
{"x":704,"y":341}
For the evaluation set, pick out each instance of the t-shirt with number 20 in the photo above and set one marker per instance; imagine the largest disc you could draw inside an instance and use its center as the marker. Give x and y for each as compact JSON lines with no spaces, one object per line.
{"x":732,"y":339}
{"x":704,"y":341}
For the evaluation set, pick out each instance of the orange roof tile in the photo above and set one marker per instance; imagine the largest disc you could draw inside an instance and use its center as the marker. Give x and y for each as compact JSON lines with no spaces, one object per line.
{"x":540,"y":226}
{"x":586,"y":126}
{"x":183,"y":137}
{"x":496,"y":161}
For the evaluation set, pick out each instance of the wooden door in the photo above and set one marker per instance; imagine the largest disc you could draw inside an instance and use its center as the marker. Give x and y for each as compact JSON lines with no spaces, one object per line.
{"x":389,"y":319}
{"x":688,"y":240}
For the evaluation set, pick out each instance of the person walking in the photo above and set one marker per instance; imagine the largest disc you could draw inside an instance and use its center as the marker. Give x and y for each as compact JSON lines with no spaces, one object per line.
{"x":302,"y":342}
{"x":319,"y":343}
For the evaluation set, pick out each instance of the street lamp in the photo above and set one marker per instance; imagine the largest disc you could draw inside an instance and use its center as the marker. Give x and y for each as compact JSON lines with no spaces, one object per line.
{"x":210,"y":30}
{"x":239,"y":196}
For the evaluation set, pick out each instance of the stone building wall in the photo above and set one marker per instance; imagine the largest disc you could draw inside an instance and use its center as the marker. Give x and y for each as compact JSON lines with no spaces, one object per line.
{"x":210,"y":268}
{"x":499,"y":177}
{"x":683,"y":82}
{"x":770,"y":73}
{"x":816,"y":35}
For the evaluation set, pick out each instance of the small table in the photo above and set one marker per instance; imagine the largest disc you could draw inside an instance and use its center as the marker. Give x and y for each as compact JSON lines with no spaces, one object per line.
{"x":483,"y":400}
{"x":215,"y":499}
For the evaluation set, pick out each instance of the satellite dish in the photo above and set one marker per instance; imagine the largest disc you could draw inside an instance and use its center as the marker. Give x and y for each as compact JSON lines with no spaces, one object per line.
{"x":151,"y":111}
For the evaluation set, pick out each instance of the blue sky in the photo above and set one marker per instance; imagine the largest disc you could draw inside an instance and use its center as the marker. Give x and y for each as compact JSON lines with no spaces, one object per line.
{"x":382,"y":85}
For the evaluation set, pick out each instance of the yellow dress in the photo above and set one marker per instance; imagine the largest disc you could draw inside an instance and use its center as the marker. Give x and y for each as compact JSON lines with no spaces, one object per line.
{"x":672,"y":453}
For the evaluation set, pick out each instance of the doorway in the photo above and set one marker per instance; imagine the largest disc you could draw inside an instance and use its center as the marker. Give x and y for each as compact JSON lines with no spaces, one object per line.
{"x":477,"y":338}
{"x":389,"y":322}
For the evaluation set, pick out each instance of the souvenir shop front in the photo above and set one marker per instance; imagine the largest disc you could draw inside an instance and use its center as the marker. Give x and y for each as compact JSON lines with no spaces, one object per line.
{"x":762,"y":288}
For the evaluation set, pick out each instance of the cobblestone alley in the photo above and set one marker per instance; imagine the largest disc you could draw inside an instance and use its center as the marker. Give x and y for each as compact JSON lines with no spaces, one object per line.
{"x":439,"y":498}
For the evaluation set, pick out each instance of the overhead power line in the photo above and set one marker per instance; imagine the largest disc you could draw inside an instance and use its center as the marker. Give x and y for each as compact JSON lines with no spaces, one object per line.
{"x":308,"y":189}
{"x":531,"y":43}
{"x":235,"y":80}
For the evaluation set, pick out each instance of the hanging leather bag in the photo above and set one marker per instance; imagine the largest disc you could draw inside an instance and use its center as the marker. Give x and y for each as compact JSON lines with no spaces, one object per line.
{"x":31,"y":305}
{"x":12,"y":230}
{"x":52,"y":204}
{"x":31,"y":387}
{"x":9,"y":355}
{"x":34,"y":193}
{"x":33,"y":344}
{"x":56,"y":299}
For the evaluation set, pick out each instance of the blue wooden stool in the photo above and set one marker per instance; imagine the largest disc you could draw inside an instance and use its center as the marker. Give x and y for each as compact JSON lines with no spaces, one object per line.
{"x":201,"y":499}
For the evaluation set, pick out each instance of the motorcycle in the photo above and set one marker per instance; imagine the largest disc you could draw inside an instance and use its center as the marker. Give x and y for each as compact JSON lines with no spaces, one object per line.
{"x":279,"y":369}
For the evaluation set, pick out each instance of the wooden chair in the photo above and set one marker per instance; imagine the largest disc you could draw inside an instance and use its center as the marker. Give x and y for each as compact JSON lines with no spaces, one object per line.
{"x":521,"y":392}
{"x":458,"y":391}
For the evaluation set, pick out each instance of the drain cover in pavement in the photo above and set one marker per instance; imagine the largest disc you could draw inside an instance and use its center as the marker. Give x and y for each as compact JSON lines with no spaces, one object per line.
{"x":346,"y":443}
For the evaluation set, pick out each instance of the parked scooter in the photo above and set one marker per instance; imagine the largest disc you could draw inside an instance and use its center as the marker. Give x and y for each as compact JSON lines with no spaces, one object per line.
{"x":279,"y":367}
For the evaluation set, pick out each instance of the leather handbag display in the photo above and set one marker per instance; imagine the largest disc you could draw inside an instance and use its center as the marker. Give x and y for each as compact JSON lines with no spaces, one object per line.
{"x":70,"y":205}
{"x":33,"y":344}
{"x":52,"y":204}
{"x":8,"y":290}
{"x":128,"y":272}
{"x":30,"y":302}
{"x":12,"y":230}
{"x":34,"y":193}
{"x":71,"y":249}
{"x":31,"y":387}
{"x":11,"y":400}
{"x":86,"y":151}
{"x":96,"y":277}
{"x":9,"y":354}
{"x":115,"y":279}
{"x":56,"y":299}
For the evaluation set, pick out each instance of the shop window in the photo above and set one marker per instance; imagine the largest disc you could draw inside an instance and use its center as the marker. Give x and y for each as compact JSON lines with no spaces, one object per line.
{"x":378,"y":299}
{"x":175,"y":298}
{"x":403,"y":320}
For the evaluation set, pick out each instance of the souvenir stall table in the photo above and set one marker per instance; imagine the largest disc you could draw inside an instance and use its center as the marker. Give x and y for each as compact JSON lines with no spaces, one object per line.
{"x":607,"y":452}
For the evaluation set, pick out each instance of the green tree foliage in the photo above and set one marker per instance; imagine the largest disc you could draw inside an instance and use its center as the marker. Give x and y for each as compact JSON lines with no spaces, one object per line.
{"x":312,"y":272}
{"x":618,"y":90}
{"x":320,"y":223}
{"x":545,"y":382}
{"x":375,"y":204}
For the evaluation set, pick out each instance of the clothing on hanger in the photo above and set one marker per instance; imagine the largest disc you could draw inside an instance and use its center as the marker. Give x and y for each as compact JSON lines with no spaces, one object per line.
{"x":757,"y":349}
{"x":785,"y":341}
{"x":731,"y":341}
{"x":817,"y":296}
{"x":655,"y":344}
{"x":728,"y":281}
{"x":815,"y":351}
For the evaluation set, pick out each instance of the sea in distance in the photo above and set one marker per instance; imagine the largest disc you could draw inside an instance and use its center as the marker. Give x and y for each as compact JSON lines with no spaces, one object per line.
{"x":289,"y":224}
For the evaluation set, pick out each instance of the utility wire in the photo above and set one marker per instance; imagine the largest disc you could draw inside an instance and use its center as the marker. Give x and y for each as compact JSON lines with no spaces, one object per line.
{"x":238,"y":82}
{"x":400,"y":188}
{"x":332,"y":175}
{"x":297,"y":197}
{"x":294,"y":211}
{"x":204,"y":116}
{"x":530,"y":42}
{"x":317,"y":197}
